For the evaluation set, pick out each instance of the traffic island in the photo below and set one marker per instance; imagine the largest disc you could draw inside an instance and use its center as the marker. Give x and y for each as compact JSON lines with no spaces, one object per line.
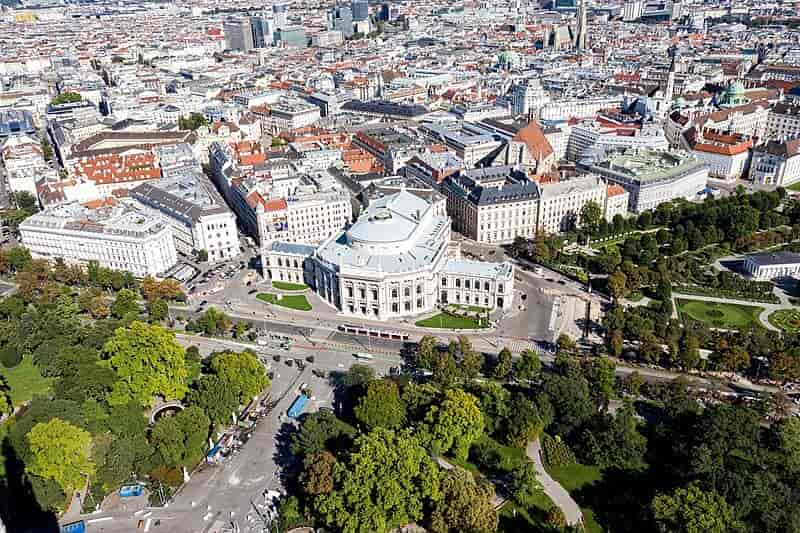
{"x":298,"y":302}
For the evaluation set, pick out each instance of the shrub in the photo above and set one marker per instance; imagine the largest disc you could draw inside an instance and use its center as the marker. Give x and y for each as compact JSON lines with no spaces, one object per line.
{"x":556,"y":452}
{"x":10,"y":356}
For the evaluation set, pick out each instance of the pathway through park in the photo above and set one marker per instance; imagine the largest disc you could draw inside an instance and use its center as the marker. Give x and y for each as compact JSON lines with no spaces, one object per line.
{"x":553,"y":488}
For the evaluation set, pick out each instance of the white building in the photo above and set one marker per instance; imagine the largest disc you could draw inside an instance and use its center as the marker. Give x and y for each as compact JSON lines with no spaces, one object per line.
{"x":21,"y":157}
{"x":528,"y":97}
{"x":653,"y":178}
{"x":725,"y":154}
{"x":307,"y":219}
{"x":578,"y":108}
{"x":393,"y":262}
{"x":770,"y":265}
{"x":199,"y":218}
{"x":776,"y":163}
{"x":120,"y":236}
{"x":783,"y":121}
{"x":291,"y":114}
{"x":560,"y":203}
{"x":590,"y":134}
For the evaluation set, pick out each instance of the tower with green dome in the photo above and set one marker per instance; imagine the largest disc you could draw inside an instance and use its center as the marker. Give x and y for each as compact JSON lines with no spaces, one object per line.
{"x":734,"y":95}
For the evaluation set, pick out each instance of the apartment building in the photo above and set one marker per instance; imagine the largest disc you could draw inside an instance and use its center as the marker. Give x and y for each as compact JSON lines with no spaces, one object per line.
{"x":783,"y":121}
{"x":306,"y":219}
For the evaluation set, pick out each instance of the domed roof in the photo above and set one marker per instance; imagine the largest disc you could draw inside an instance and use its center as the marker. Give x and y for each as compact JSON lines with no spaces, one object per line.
{"x":736,"y":89}
{"x":508,"y":57}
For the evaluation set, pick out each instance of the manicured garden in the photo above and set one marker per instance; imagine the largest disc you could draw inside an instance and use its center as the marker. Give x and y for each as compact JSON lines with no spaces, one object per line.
{"x":285,"y":286}
{"x":720,"y":315}
{"x":25,"y":381}
{"x":448,"y":321}
{"x":292,"y":301}
{"x":787,"y":320}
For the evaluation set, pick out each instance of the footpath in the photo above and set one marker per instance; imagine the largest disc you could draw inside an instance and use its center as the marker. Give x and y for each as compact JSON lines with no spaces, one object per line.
{"x":551,"y":487}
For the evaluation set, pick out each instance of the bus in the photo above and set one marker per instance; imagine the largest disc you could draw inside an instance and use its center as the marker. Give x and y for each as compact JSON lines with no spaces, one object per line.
{"x":362,"y":355}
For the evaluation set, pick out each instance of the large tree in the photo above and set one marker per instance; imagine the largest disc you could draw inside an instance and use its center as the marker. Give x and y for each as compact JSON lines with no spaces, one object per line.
{"x":503,"y":365}
{"x":528,"y":366}
{"x":242,"y":372}
{"x":321,"y":431}
{"x":149,"y":363}
{"x":216,"y":398}
{"x":386,"y":481}
{"x":693,"y":510}
{"x":181,"y":438}
{"x":455,"y":424}
{"x":465,"y":505}
{"x":381,"y":406}
{"x":126,"y":303}
{"x":60,"y":451}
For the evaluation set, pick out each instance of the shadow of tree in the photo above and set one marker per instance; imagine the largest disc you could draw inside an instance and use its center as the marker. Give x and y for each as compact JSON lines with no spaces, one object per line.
{"x":620,"y":500}
{"x":19,"y":509}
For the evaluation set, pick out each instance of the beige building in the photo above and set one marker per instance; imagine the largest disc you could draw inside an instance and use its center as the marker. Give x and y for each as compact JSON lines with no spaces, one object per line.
{"x":493,"y":204}
{"x":560,"y":203}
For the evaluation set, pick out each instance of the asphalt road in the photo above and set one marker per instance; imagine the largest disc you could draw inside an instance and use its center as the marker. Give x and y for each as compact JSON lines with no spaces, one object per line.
{"x":226,"y":492}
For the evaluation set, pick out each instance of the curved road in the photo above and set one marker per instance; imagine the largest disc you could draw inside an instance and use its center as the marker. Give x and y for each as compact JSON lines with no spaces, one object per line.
{"x":557,"y":494}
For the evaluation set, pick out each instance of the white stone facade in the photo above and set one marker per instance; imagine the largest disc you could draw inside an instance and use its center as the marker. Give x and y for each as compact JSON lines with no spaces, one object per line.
{"x":393,"y":262}
{"x":120,"y":238}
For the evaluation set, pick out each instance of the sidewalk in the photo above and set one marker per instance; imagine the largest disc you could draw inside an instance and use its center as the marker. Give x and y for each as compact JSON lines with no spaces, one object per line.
{"x":551,"y":487}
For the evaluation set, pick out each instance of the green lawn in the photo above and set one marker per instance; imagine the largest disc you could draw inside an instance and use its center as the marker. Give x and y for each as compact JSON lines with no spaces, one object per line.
{"x":292,"y":301}
{"x":445,"y":321}
{"x":284,"y":286}
{"x":720,"y":315}
{"x":573,"y":477}
{"x":794,"y":187}
{"x":786,"y":319}
{"x":25,"y":381}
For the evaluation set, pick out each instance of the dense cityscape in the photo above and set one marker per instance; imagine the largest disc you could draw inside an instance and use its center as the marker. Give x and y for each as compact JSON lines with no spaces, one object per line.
{"x":369,"y":266}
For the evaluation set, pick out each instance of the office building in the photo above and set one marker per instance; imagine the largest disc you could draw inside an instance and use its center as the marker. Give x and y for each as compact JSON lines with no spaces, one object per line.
{"x":470,"y":142}
{"x":238,"y":34}
{"x":191,"y":205}
{"x":341,"y":19}
{"x":263,"y":30}
{"x":392,"y":263}
{"x":280,"y":14}
{"x":360,"y":9}
{"x":776,"y":163}
{"x":291,"y":37}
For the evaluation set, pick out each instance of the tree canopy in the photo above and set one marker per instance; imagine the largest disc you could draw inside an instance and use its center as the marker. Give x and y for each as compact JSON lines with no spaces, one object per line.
{"x":60,"y":451}
{"x":149,"y":363}
{"x":385,"y":482}
{"x":455,"y":424}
